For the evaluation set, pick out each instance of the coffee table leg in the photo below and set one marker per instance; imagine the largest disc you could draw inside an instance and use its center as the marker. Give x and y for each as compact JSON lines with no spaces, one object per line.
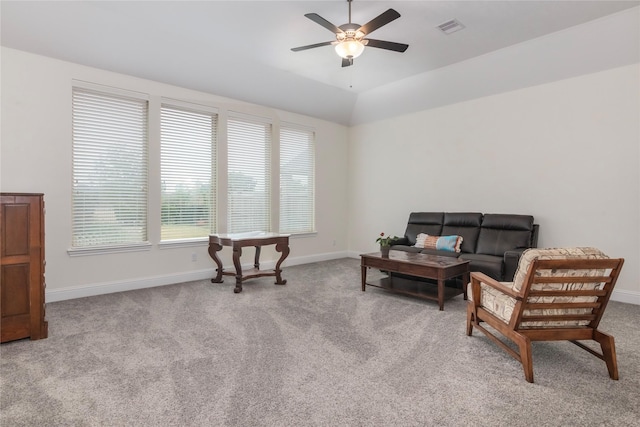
{"x":441,"y":293}
{"x":364,"y":276}
{"x":465,"y":283}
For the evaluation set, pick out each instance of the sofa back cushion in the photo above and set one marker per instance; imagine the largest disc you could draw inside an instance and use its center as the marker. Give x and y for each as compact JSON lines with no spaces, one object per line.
{"x":501,"y":233}
{"x":423,"y":222}
{"x":465,"y":224}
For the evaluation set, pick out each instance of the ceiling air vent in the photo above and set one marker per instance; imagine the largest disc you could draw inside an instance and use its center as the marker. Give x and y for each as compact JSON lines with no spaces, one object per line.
{"x":450,"y":26}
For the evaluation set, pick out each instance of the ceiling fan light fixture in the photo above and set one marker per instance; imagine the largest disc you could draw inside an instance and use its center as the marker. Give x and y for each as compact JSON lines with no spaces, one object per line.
{"x":349,"y":49}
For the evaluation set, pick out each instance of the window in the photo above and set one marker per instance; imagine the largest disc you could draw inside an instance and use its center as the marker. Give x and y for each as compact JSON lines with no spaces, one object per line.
{"x":249,"y":174}
{"x":188,"y":171}
{"x":297,"y":180}
{"x":109,"y":169}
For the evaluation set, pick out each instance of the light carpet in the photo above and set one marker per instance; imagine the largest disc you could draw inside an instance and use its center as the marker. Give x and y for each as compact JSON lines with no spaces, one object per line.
{"x":315,"y":352}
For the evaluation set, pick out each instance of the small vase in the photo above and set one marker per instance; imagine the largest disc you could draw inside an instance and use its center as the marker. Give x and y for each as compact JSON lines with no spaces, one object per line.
{"x":384,"y":250}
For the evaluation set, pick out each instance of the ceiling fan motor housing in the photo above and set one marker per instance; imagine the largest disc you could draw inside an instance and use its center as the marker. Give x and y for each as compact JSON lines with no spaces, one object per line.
{"x":351,"y":32}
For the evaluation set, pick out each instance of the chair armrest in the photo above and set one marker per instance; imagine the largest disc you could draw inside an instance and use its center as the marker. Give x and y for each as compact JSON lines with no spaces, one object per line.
{"x":477,"y":277}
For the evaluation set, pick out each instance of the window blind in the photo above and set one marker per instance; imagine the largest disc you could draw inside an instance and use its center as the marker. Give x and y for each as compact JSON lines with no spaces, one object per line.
{"x":249,"y":175}
{"x":297,"y":180}
{"x":109,"y":169}
{"x":188,"y":171}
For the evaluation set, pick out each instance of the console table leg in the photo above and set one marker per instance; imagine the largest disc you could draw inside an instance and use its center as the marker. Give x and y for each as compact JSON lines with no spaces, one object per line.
{"x":237,"y":251}
{"x":256,"y":261}
{"x":284,"y":248}
{"x":213,"y":253}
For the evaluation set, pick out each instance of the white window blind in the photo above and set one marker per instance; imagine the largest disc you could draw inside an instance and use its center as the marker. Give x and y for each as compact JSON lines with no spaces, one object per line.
{"x":249,"y":182}
{"x":109,"y":169}
{"x":188,"y":172}
{"x":297,"y":180}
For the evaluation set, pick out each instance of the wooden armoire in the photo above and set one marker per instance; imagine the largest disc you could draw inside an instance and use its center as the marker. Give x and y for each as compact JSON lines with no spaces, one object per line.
{"x":22,"y":305}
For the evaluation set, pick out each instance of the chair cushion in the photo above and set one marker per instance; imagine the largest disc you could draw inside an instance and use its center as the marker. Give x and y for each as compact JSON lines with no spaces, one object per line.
{"x":502,"y":305}
{"x":555,"y":253}
{"x":497,"y":303}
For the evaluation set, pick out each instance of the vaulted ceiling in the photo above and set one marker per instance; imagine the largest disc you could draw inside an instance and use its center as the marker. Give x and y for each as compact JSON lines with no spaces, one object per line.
{"x":242,"y":49}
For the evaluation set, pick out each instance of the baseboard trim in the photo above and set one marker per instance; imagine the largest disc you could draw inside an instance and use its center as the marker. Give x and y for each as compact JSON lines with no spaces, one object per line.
{"x":53,"y":295}
{"x":628,"y":297}
{"x":126,"y":285}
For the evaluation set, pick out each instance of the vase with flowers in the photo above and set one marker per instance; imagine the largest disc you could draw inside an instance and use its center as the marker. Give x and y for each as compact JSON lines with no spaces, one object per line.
{"x":385,"y":243}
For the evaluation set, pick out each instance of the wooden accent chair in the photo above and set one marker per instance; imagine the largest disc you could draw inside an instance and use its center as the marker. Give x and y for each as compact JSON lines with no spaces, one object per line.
{"x":556,"y":294}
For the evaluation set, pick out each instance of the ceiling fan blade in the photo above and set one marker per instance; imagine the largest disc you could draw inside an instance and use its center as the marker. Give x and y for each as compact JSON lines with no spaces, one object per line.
{"x":398,"y":47}
{"x":347,"y":62}
{"x":328,"y":25}
{"x":380,"y":20}
{"x":310,"y":46}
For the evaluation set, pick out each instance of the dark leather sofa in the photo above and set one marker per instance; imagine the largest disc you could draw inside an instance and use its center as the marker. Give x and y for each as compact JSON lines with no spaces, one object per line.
{"x":492,"y":243}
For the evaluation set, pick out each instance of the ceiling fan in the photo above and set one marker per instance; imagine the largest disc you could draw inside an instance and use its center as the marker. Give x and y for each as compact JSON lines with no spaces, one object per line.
{"x":350,"y":38}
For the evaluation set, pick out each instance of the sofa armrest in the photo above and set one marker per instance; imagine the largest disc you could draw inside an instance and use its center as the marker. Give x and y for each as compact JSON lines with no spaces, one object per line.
{"x":511,"y":259}
{"x":400,"y":241}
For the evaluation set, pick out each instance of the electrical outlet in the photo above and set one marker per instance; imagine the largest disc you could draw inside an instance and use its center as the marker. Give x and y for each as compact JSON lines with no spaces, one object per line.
{"x":194,"y":257}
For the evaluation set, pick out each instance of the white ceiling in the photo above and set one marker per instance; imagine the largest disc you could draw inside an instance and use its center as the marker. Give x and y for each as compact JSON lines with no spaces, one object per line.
{"x":241,"y":49}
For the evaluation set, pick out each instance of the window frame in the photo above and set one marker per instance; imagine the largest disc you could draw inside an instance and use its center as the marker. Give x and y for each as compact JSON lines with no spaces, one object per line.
{"x":311,"y":175}
{"x":251,"y":120}
{"x":78,"y":86}
{"x":215,"y":115}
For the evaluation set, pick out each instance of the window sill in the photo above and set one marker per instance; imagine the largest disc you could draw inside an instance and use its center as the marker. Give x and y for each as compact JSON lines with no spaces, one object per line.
{"x":74,"y":252}
{"x":183,"y":243}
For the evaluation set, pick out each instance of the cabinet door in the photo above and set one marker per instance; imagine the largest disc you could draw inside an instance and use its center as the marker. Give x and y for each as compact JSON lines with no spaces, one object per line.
{"x":21,"y":276}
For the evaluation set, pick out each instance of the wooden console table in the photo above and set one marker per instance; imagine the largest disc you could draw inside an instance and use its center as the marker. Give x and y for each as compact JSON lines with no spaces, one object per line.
{"x":437,"y":268}
{"x":239,"y":240}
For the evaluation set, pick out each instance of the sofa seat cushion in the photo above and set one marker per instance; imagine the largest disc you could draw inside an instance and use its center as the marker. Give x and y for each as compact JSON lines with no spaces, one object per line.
{"x":490,"y":265}
{"x":430,"y":251}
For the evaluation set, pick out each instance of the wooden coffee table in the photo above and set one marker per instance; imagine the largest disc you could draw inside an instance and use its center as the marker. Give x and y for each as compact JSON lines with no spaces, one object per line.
{"x":437,"y":268}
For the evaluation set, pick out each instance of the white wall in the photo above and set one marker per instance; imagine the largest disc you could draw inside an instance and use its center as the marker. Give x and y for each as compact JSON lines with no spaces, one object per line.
{"x":35,"y":156}
{"x":566,"y":152}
